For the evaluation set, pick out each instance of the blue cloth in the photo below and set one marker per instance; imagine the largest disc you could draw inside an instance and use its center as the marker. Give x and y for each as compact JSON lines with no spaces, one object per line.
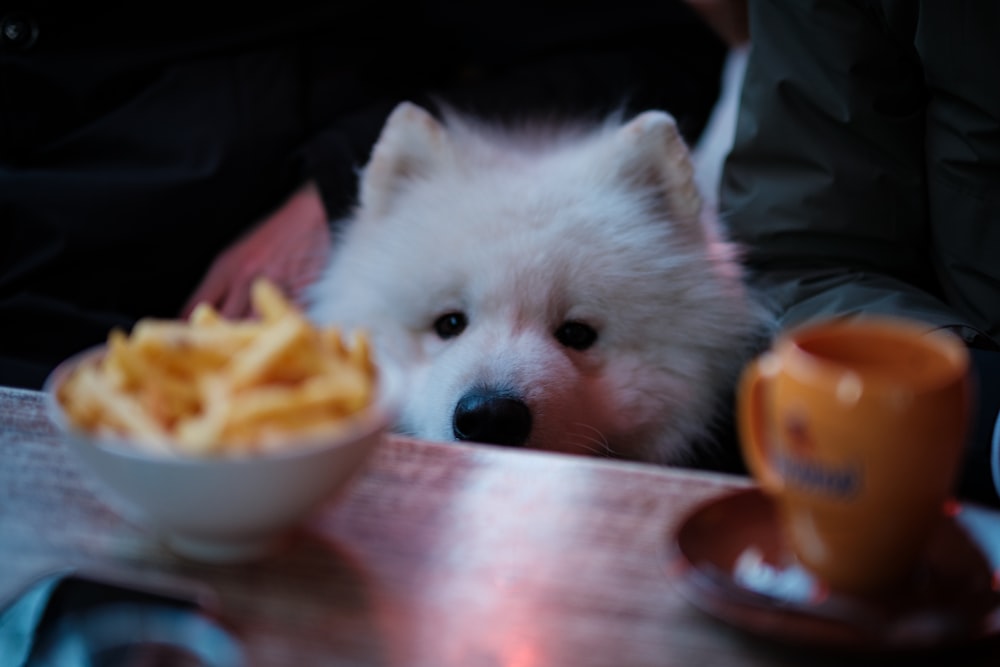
{"x":980,"y":480}
{"x":996,"y":454}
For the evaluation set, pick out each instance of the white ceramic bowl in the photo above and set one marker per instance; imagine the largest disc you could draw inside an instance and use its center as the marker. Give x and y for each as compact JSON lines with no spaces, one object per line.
{"x":224,"y":509}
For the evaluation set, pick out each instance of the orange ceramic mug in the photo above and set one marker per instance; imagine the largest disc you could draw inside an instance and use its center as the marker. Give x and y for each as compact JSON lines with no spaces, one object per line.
{"x":856,"y":428}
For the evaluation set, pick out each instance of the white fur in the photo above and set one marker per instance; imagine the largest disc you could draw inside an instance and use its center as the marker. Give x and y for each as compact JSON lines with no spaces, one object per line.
{"x":522,"y":231}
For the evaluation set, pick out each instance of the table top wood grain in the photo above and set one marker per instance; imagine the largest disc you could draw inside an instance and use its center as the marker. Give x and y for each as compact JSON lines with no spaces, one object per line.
{"x":439,"y":555}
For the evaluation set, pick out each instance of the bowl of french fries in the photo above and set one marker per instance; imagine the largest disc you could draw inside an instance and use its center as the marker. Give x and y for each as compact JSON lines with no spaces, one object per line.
{"x":218,"y":436}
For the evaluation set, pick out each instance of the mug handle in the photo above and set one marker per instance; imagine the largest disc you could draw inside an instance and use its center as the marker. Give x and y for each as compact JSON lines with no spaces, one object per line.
{"x":754,"y":424}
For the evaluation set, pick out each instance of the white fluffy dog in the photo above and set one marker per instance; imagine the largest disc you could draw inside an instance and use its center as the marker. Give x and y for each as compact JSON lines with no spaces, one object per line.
{"x":561,"y":290}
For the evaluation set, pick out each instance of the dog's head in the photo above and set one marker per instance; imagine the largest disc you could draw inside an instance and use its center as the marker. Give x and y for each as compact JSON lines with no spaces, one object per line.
{"x":559,"y":290}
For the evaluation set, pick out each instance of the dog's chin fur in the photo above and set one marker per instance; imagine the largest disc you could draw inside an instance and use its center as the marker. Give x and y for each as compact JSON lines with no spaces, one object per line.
{"x":522,"y":231}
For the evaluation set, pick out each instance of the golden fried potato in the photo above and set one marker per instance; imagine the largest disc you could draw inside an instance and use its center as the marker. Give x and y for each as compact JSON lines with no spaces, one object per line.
{"x":210,"y":385}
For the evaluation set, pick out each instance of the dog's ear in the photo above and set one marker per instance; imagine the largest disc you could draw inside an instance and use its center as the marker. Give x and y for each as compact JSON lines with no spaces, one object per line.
{"x":410,"y":142}
{"x":652,"y":152}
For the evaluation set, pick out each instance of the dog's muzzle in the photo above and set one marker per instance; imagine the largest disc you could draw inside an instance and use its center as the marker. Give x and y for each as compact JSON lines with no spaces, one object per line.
{"x":492,"y":417}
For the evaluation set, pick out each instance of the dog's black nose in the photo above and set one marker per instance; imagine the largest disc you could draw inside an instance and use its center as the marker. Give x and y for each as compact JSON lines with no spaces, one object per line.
{"x":490,"y":417}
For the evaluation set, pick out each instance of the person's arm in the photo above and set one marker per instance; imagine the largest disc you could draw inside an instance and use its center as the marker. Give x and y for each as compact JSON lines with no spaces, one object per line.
{"x":825,"y":186}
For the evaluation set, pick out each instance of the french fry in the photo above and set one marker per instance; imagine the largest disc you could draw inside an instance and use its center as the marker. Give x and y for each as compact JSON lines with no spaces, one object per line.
{"x":205,"y":315}
{"x":212,"y":385}
{"x":119,"y":411}
{"x":260,"y":360}
{"x":203,"y":433}
{"x":268,"y":301}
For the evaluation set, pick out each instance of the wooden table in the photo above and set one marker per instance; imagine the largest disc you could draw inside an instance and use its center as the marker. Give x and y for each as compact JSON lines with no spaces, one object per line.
{"x":440,"y":555}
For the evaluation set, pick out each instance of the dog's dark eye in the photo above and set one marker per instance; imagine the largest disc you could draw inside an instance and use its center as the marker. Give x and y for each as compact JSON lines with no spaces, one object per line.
{"x":576,"y":335}
{"x":450,"y":325}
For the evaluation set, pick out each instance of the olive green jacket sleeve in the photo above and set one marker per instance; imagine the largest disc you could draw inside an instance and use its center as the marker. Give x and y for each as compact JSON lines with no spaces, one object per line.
{"x":827,"y":187}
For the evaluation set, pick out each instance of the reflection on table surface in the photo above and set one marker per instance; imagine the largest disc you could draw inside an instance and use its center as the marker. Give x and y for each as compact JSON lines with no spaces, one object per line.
{"x":441,"y":554}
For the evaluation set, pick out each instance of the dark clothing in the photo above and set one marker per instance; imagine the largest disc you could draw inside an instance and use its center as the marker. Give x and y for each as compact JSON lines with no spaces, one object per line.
{"x":865,"y":176}
{"x":137,"y":141}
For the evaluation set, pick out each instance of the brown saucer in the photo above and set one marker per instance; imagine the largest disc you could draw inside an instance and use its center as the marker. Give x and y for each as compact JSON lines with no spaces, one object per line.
{"x":728,"y":559}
